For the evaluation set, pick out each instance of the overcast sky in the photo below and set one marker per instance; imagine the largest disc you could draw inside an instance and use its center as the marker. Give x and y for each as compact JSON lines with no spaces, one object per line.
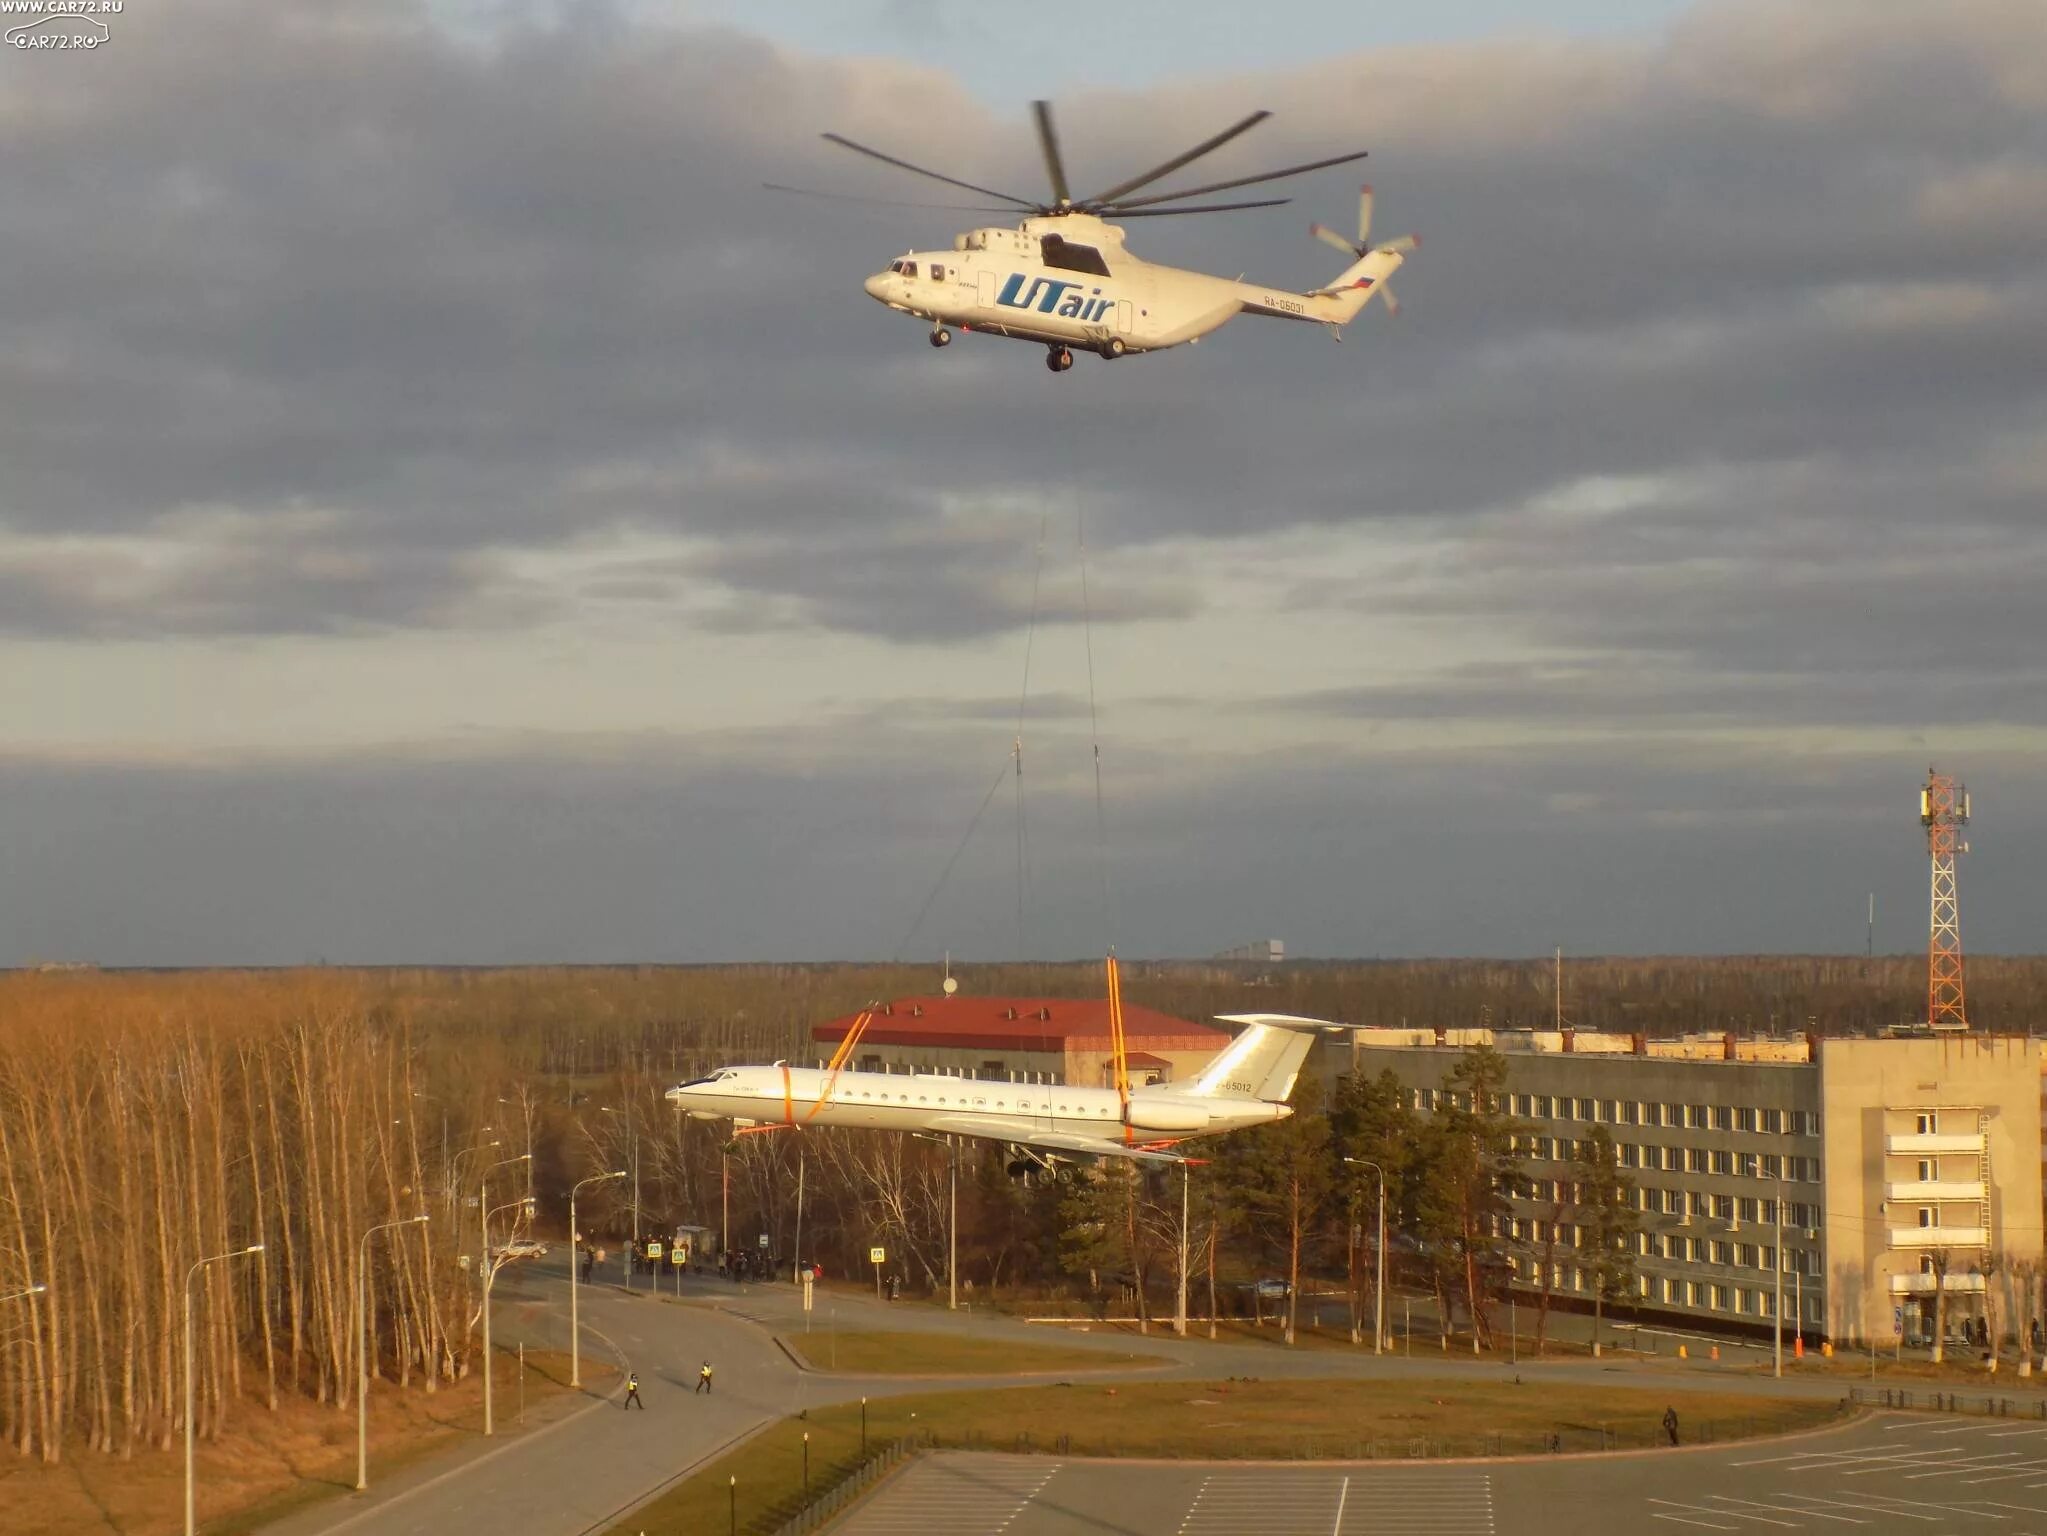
{"x":449,"y":512}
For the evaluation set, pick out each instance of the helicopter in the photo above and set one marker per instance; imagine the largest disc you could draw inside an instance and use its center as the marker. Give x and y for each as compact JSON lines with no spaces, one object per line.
{"x":1064,"y":278}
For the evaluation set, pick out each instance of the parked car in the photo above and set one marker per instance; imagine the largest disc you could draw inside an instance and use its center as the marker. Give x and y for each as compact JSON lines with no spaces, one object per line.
{"x":1269,"y":1289}
{"x":520,"y":1248}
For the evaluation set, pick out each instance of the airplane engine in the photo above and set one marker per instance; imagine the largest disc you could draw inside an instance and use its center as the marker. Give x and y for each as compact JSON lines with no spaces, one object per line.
{"x":1168,"y":1115}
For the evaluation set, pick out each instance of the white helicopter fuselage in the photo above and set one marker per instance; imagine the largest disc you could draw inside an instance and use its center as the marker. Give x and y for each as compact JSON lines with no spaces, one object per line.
{"x":1068,"y":281}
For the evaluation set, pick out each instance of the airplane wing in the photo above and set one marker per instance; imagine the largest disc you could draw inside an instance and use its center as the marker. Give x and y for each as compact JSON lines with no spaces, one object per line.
{"x":1050,"y":1141}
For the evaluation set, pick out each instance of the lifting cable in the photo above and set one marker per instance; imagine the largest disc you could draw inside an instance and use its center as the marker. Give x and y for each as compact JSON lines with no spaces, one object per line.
{"x":1118,"y":1044}
{"x":1094,"y":722}
{"x":1022,"y":701}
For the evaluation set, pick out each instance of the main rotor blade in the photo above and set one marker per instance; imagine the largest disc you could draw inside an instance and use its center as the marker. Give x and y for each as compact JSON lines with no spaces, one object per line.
{"x":884,"y":202}
{"x":1365,"y":214}
{"x":1244,"y":181}
{"x":951,"y":181}
{"x":1048,"y":141}
{"x":1167,"y":213}
{"x":1205,"y":147}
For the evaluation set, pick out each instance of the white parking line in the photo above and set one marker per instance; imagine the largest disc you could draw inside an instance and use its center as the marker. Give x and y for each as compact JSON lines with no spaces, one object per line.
{"x":1787,"y":1509}
{"x":1732,"y":1514}
{"x":1875,"y":1509}
{"x":1711,"y":1525}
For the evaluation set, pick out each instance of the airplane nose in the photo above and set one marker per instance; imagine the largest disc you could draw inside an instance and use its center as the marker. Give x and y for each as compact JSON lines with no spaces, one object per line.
{"x":876,"y":286}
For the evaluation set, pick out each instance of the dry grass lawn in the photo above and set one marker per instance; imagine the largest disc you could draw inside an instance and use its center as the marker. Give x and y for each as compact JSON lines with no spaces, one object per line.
{"x":271,"y":1463}
{"x":938,"y":1354}
{"x":1228,"y":1419}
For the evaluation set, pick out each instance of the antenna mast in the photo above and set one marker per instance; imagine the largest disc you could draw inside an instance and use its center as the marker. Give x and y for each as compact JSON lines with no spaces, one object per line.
{"x":1943,"y":810}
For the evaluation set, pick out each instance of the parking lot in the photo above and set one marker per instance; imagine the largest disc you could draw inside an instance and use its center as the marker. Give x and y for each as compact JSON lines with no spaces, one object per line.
{"x":1886,"y":1473}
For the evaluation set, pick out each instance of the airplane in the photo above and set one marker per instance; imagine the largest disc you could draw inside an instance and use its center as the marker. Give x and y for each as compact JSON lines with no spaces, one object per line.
{"x":1246,"y":1083}
{"x":1064,"y":278}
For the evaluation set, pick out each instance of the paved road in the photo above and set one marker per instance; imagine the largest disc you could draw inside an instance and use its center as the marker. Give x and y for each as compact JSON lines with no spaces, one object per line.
{"x":579,"y":1472}
{"x":1899,"y":1473}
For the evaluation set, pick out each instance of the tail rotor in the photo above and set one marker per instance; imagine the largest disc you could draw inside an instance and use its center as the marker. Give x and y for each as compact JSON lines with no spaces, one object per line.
{"x":1362,"y":247}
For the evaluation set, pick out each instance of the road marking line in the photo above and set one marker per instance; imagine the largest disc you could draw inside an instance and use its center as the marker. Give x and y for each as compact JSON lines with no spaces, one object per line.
{"x":1711,"y":1525}
{"x":1786,"y":1509}
{"x":1342,"y":1498}
{"x":1707,"y":1509}
{"x":1874,"y":1509}
{"x":1946,"y":1509}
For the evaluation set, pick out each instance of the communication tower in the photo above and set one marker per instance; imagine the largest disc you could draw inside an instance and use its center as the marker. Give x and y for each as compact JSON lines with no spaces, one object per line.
{"x":1943,"y":811}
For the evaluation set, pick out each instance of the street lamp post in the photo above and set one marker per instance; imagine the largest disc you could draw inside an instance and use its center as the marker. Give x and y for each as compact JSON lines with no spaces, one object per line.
{"x":191,"y":1525}
{"x":575,"y":1325}
{"x":1379,"y":1264}
{"x":632,"y":1137}
{"x":455,"y":1182}
{"x":362,"y":1349}
{"x":1777,"y":1304}
{"x":1180,"y":1301}
{"x":488,"y":1273}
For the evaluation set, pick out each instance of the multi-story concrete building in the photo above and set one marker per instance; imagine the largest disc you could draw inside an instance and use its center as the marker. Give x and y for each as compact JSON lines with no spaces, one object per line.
{"x":1863,"y":1168}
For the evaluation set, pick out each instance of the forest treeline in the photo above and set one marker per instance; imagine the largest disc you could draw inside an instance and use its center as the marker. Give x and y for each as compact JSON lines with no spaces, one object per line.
{"x":152,"y":1120}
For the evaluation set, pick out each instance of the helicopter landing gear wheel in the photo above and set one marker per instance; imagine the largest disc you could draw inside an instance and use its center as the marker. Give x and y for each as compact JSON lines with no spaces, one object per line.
{"x":941,"y":337}
{"x":1058,"y":359}
{"x":1113,"y":348}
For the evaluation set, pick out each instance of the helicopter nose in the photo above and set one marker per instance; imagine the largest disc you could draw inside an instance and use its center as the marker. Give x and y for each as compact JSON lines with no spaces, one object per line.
{"x":877,"y":286}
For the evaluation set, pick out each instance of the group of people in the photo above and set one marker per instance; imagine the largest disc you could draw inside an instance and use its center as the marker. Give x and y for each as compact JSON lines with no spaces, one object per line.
{"x":632,"y":1386}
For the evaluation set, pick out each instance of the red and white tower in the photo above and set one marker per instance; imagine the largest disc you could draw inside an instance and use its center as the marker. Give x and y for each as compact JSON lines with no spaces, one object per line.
{"x":1943,"y":811}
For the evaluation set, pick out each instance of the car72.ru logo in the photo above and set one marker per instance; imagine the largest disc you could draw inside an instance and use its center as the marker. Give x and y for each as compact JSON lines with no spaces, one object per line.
{"x":58,"y":24}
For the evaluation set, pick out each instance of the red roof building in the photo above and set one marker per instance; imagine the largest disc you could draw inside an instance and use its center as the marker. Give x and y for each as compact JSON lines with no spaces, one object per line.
{"x":1029,"y":1039}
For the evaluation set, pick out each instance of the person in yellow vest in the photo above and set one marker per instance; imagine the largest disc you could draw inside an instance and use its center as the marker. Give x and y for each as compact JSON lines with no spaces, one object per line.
{"x":632,"y":1391}
{"x":704,"y":1377}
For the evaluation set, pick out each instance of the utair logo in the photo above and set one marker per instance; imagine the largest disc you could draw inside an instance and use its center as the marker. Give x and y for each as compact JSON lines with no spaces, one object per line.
{"x":1049,"y":296}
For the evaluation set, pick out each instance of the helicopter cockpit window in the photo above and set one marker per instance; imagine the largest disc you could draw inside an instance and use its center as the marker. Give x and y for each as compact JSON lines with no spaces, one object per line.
{"x":1060,"y":252}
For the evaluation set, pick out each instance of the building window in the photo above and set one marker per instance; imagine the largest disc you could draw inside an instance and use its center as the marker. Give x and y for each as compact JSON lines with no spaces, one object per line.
{"x":1698,"y":1203}
{"x":1674,"y":1202}
{"x":1928,"y":1124}
{"x":1770,"y":1121}
{"x":1696,"y":1117}
{"x":1929,"y":1170}
{"x":1652,"y":1114}
{"x":1926,"y":1216}
{"x":1723,"y":1207}
{"x":1723,"y":1117}
{"x":1766,"y":1304}
{"x":1773,"y":1168}
{"x":1722,"y":1253}
{"x":1691,"y":1293}
{"x":1631,"y":1112}
{"x":1744,"y":1119}
{"x":1744,"y":1302}
{"x":1745,"y":1256}
{"x":1695,"y":1159}
{"x":1745,"y":1208}
{"x":1672,"y":1291}
{"x":1719,"y":1298}
{"x":1766,"y":1257}
{"x":1722,"y":1161}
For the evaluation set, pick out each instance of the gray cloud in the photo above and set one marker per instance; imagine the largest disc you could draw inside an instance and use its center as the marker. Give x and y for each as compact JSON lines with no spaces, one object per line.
{"x":474,"y":294}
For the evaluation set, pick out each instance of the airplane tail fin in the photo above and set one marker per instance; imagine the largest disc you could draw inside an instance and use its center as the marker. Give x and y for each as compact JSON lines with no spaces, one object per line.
{"x":1263,"y":1061}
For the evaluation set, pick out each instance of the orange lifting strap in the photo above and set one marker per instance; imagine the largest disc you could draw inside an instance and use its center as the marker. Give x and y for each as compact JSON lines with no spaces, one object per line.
{"x":1119,"y":1052}
{"x":839,"y":1059}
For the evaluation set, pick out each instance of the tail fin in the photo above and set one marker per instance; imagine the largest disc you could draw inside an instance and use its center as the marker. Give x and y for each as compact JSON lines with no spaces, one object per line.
{"x":1354,"y":288}
{"x":1263,"y":1061}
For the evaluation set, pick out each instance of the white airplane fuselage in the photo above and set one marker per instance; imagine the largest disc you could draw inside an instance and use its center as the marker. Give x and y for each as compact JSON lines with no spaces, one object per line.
{"x":1023,"y":1113}
{"x":1067,"y":281}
